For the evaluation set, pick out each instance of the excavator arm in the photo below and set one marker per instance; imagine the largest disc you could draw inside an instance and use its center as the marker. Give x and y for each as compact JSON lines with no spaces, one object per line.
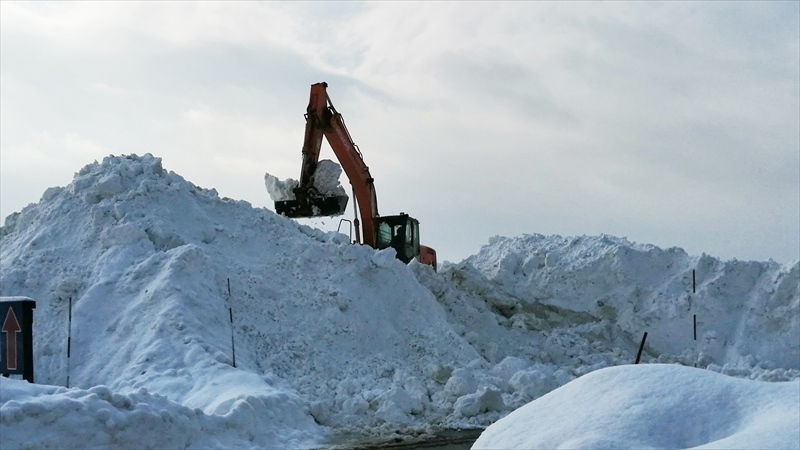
{"x":322,"y":120}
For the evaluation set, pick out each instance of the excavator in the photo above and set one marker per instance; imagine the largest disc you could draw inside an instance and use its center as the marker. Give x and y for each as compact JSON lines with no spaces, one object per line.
{"x":400,"y":232}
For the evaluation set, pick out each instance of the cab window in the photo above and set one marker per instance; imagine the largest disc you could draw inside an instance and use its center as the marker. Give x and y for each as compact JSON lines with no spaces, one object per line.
{"x":385,"y":234}
{"x":409,"y":241}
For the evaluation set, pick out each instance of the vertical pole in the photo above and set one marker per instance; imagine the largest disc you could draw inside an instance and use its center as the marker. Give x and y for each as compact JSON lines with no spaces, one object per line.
{"x":694,"y":316}
{"x":230,"y":312}
{"x":233,"y":345}
{"x":69,"y":338}
{"x":641,"y":347}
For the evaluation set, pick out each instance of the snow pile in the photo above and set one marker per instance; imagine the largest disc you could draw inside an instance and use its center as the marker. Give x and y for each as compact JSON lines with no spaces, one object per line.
{"x":130,"y":243}
{"x":654,"y":406}
{"x":543,"y":311}
{"x":746,"y":311}
{"x":326,"y":332}
{"x":330,"y":336}
{"x":326,"y":182}
{"x":39,"y":416}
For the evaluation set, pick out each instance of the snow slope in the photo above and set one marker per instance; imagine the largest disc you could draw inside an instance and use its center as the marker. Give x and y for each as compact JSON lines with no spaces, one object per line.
{"x":330,"y":336}
{"x":147,"y":256}
{"x":654,"y":406}
{"x":744,"y":308}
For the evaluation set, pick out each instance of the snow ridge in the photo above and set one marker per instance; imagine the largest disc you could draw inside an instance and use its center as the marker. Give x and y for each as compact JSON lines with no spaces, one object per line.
{"x":747,"y":311}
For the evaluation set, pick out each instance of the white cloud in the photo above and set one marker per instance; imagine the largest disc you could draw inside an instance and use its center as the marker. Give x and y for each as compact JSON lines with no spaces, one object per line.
{"x":39,"y":148}
{"x":545,"y":116}
{"x":106,"y":89}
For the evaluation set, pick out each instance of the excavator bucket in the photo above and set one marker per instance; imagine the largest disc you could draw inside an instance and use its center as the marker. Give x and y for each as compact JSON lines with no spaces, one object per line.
{"x":315,"y":207}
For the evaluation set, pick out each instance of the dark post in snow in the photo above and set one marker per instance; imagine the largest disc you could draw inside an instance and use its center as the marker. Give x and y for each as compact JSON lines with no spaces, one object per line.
{"x":233,"y":345}
{"x":16,"y":337}
{"x":69,"y":338}
{"x":641,"y":347}
{"x":694,"y":317}
{"x":230,"y":312}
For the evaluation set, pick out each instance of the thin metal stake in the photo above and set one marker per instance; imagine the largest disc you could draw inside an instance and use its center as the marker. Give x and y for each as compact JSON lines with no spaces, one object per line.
{"x":641,"y":347}
{"x":230,"y":312}
{"x":233,"y":345}
{"x":69,"y":339}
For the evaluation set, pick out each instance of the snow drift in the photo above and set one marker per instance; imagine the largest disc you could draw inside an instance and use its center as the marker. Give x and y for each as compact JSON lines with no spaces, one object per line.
{"x":164,"y":275}
{"x":654,"y":406}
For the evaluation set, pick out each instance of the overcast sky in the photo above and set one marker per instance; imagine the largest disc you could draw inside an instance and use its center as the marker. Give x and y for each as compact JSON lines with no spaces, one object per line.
{"x":676,"y":123}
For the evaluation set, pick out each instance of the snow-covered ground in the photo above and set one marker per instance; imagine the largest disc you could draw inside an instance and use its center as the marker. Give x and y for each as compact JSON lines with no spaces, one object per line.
{"x":654,"y":406}
{"x":331,"y":337}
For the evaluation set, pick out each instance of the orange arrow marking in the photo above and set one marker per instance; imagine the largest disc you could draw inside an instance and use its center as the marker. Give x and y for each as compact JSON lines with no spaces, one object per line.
{"x":11,"y":328}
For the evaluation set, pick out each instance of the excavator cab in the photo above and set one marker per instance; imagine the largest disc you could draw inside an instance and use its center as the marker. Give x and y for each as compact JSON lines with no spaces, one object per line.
{"x":400,"y":232}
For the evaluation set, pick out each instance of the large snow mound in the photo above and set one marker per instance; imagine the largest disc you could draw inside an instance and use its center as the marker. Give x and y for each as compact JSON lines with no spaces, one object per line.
{"x":654,"y":406}
{"x":325,"y":332}
{"x":165,"y":278}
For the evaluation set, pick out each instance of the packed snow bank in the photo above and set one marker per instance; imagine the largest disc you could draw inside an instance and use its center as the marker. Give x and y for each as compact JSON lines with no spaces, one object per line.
{"x":654,"y":406}
{"x":41,"y":416}
{"x":326,"y":181}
